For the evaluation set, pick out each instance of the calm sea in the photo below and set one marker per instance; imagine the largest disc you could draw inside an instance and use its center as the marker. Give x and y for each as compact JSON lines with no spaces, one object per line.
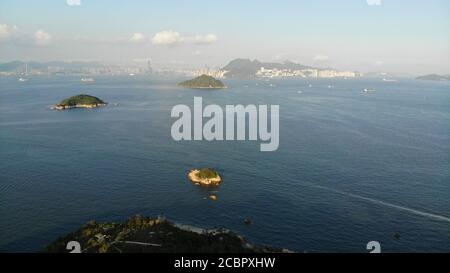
{"x":351,"y":167}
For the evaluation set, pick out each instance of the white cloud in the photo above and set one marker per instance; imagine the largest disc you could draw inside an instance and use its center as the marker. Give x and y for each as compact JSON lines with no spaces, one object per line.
{"x":137,"y":38}
{"x":12,"y":35}
{"x":170,"y":37}
{"x":206,"y":39}
{"x":374,"y":2}
{"x":7,"y":32}
{"x":42,"y":38}
{"x":167,"y":37}
{"x":320,"y":57}
{"x":73,"y":2}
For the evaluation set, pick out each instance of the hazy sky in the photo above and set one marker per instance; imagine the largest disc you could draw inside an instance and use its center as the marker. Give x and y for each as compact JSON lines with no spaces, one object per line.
{"x":406,"y":36}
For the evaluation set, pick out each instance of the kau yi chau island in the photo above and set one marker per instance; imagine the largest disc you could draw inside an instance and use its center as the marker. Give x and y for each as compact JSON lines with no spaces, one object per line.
{"x":190,"y":125}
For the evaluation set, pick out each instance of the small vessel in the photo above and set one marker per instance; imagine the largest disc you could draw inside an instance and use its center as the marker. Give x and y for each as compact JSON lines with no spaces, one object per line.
{"x":368,"y":90}
{"x":84,"y":79}
{"x":26,"y":74}
{"x":388,"y":80}
{"x":299,"y":92}
{"x":310,"y":85}
{"x":330,"y":86}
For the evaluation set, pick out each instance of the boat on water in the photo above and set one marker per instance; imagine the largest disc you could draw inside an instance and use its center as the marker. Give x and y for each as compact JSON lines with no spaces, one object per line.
{"x":389,"y":80}
{"x":367,"y":90}
{"x":84,"y":79}
{"x":25,"y":74}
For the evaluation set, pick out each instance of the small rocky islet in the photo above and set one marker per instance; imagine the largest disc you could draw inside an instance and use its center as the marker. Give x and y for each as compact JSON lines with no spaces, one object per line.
{"x":204,"y":177}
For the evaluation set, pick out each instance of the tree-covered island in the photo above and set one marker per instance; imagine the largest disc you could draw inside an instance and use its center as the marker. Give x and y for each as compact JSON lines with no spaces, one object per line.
{"x":434,"y":77}
{"x":203,"y":82}
{"x":79,"y":101}
{"x":204,"y":177}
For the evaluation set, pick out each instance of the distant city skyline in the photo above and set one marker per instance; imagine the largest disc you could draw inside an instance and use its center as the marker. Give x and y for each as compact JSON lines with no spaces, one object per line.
{"x":393,"y":36}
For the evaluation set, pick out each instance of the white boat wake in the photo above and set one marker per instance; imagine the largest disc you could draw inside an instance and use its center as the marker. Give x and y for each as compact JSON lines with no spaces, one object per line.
{"x":383,"y":203}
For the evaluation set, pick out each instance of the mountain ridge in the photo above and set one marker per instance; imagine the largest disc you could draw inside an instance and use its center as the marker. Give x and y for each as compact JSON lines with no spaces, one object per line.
{"x":246,"y":68}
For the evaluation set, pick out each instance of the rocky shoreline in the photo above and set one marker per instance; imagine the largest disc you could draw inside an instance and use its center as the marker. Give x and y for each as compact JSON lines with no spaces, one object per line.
{"x":88,"y":106}
{"x":208,"y":87}
{"x":154,"y":235}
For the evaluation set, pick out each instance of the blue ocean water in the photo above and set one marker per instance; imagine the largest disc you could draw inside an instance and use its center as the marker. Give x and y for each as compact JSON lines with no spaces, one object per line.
{"x":351,"y":167}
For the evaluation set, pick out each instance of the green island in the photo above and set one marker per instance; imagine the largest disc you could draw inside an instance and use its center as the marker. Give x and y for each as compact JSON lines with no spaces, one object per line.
{"x":203,"y":82}
{"x":434,"y":77}
{"x":79,"y":101}
{"x":154,"y":235}
{"x":204,"y":177}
